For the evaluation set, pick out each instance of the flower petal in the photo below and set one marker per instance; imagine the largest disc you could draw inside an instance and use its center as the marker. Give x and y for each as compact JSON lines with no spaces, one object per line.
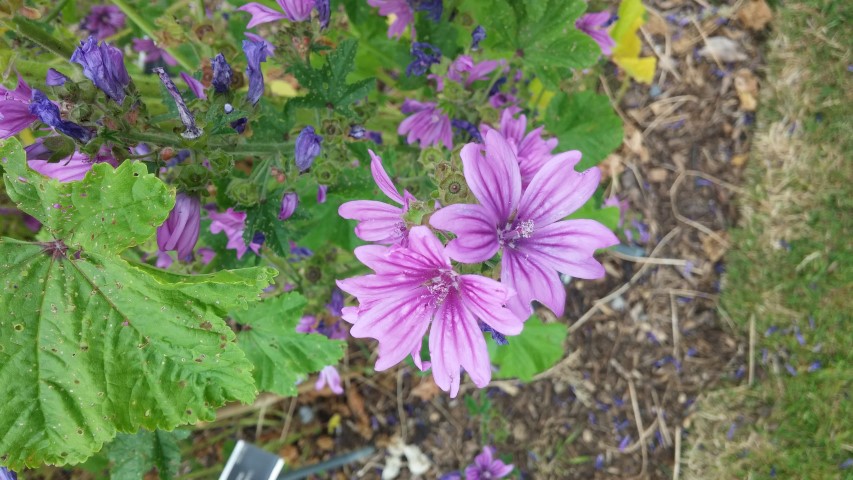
{"x":485,"y":298}
{"x":378,"y":222}
{"x":557,"y":190}
{"x":455,"y":341}
{"x":261,"y":14}
{"x":494,"y":178}
{"x":424,"y":242}
{"x":531,"y":280}
{"x":383,"y":181}
{"x":568,"y":247}
{"x":476,"y":233}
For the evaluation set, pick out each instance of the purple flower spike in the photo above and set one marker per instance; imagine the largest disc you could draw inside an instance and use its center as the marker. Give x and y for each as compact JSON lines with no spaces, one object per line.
{"x":307,"y":148}
{"x":595,"y":25}
{"x":104,"y":65}
{"x":54,"y":78}
{"x":425,"y":56}
{"x":402,"y":12}
{"x":48,"y":113}
{"x":180,"y":230}
{"x":477,"y":36}
{"x":526,"y":224}
{"x":293,"y":10}
{"x":69,"y":169}
{"x":152,"y":52}
{"x":192,"y":131}
{"x":222,"y":74}
{"x":15,"y":113}
{"x":414,"y":287}
{"x":232,"y":224}
{"x":329,"y":376}
{"x":428,"y":125}
{"x":289,"y":202}
{"x":379,"y":222}
{"x":196,"y":86}
{"x":103,"y":21}
{"x":256,"y":52}
{"x":487,"y":467}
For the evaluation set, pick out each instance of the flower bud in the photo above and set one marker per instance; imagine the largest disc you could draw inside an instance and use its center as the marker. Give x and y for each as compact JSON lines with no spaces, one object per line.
{"x":289,"y":202}
{"x":307,"y":148}
{"x":193,"y":178}
{"x":220,"y":164}
{"x":222,"y":74}
{"x":243,"y":192}
{"x":180,"y":230}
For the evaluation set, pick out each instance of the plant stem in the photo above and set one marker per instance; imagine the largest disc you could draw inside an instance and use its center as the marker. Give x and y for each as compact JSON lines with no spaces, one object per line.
{"x":55,"y":12}
{"x":149,"y":29}
{"x":37,"y":34}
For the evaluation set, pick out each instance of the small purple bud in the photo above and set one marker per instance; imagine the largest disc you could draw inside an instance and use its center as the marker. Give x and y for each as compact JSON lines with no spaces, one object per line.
{"x":54,"y":78}
{"x":324,"y":12}
{"x":240,"y":124}
{"x":791,"y":369}
{"x":180,"y":230}
{"x":815,"y":366}
{"x":357,"y":132}
{"x":463,"y":126}
{"x":425,"y":56}
{"x":104,"y":65}
{"x":626,"y":440}
{"x":256,"y":52}
{"x":336,"y":305}
{"x":221,"y":74}
{"x":228,"y":108}
{"x":48,"y":113}
{"x":196,"y":86}
{"x":307,"y":148}
{"x":186,"y":116}
{"x":477,"y":36}
{"x":375,"y":137}
{"x":289,"y":202}
{"x":321,"y":193}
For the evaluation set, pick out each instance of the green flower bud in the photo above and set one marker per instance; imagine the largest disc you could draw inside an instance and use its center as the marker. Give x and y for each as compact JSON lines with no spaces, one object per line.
{"x":243,"y":192}
{"x":194,"y":178}
{"x":415,"y":214}
{"x":332,"y":128}
{"x":453,"y":189}
{"x":220,"y":164}
{"x":325,"y":173}
{"x":431,"y":156}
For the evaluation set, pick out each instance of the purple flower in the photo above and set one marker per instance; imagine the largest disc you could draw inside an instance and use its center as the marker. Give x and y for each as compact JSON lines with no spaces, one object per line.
{"x":15,"y":114}
{"x":375,"y":137}
{"x":206,"y":255}
{"x":239,"y":125}
{"x":402,"y":12}
{"x":104,"y":65}
{"x":336,"y":305}
{"x":221,"y":74}
{"x":48,"y":113}
{"x":425,"y":56}
{"x":428,"y":125}
{"x":595,"y":25}
{"x":329,"y":376}
{"x":324,"y":12}
{"x":256,"y":52}
{"x":196,"y":86}
{"x":377,"y":221}
{"x":815,"y":366}
{"x":472,"y":72}
{"x":306,"y":324}
{"x":477,"y":36}
{"x":187,"y":118}
{"x":164,"y":260}
{"x":322,"y":190}
{"x":451,"y":476}
{"x":54,"y":78}
{"x":307,"y":148}
{"x":357,"y":132}
{"x":294,"y":10}
{"x":6,"y":474}
{"x":258,"y":38}
{"x":152,"y":52}
{"x":69,"y":169}
{"x":463,"y":126}
{"x":486,"y":466}
{"x":180,"y":230}
{"x":232,"y":224}
{"x":527,"y":224}
{"x":434,"y":8}
{"x":289,"y":202}
{"x":532,"y":151}
{"x":415,"y":286}
{"x":103,"y":21}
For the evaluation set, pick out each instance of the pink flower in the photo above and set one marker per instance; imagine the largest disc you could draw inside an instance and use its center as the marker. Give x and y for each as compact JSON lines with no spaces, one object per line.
{"x":487,"y":467}
{"x":152,"y":52}
{"x":329,"y":376}
{"x":414,"y":287}
{"x":377,"y":221}
{"x":232,"y":224}
{"x":306,"y":324}
{"x":595,"y":25}
{"x":472,"y":71}
{"x":69,"y":169}
{"x":294,"y":10}
{"x":531,"y":149}
{"x":180,"y":230}
{"x":527,"y":225}
{"x":403,"y":13}
{"x":14,"y":109}
{"x":428,"y":124}
{"x":196,"y":86}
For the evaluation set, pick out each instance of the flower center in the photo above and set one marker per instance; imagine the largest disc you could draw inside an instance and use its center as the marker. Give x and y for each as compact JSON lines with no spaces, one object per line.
{"x":441,"y":285}
{"x":514,"y":231}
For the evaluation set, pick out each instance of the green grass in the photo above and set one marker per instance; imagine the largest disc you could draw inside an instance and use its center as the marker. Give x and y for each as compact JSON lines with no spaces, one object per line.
{"x":792,"y":266}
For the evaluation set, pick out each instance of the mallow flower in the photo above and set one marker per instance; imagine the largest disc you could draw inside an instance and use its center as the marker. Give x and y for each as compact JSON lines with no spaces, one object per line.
{"x":293,"y":10}
{"x":414,"y":289}
{"x":180,"y":230}
{"x":104,"y":65}
{"x":526,"y":225}
{"x":48,"y":113}
{"x":487,"y":467}
{"x":195,"y":86}
{"x":402,"y":13}
{"x":152,"y":52}
{"x":69,"y":169}
{"x":308,"y":146}
{"x":595,"y":25}
{"x":464,"y":70}
{"x":427,"y":124}
{"x":103,"y":21}
{"x":329,"y":376}
{"x":531,"y":149}
{"x":15,"y":114}
{"x":233,"y":224}
{"x":380,"y":222}
{"x":256,"y":52}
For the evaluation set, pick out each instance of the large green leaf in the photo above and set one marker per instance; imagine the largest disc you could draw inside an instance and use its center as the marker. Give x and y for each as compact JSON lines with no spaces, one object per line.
{"x":91,"y":345}
{"x":536,"y":349}
{"x":132,"y":456}
{"x":280,"y":354}
{"x":584,"y":121}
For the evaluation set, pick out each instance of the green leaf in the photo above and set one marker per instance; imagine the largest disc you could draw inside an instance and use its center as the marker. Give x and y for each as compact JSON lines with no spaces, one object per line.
{"x":536,"y":349}
{"x":91,"y":345}
{"x":132,"y":456}
{"x":282,"y":355}
{"x":584,"y":121}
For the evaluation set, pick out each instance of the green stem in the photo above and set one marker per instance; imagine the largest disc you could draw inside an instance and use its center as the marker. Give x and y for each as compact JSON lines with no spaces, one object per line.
{"x":55,"y":12}
{"x":149,"y":29}
{"x":37,"y":34}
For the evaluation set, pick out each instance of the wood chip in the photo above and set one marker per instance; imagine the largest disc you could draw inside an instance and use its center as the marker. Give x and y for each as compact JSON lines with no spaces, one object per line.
{"x":755,"y":15}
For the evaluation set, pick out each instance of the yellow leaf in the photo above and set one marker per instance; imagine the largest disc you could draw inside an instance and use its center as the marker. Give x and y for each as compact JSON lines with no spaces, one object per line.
{"x":280,"y":88}
{"x":334,"y":423}
{"x":540,"y":98}
{"x":640,"y":69}
{"x":27,"y":137}
{"x":626,"y":53}
{"x":629,"y":12}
